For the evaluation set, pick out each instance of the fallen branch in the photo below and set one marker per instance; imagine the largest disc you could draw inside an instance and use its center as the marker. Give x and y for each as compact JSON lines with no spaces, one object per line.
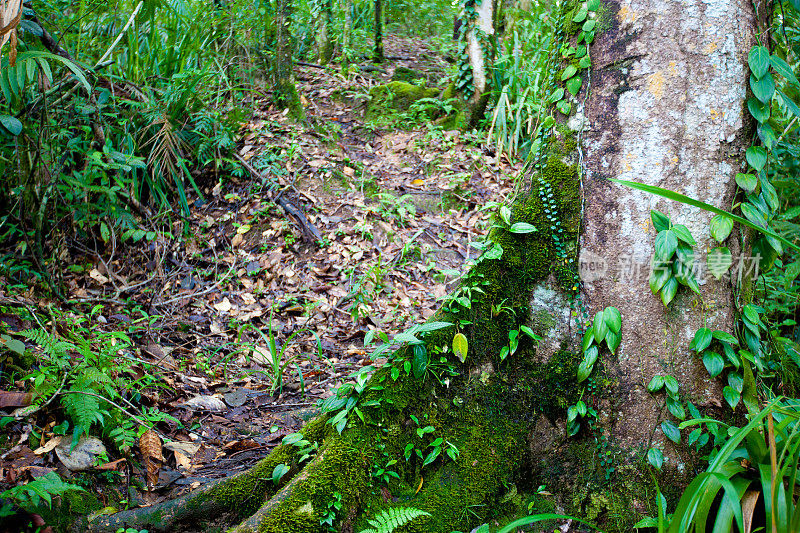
{"x":310,"y":231}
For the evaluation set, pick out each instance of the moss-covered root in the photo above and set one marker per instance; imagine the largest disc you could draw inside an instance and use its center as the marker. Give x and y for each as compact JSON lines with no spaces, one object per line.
{"x":341,"y":467}
{"x":226,"y":501}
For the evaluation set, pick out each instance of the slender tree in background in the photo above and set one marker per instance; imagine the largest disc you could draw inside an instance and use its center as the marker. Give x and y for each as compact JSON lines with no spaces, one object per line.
{"x":378,"y":56}
{"x":285,"y":91}
{"x":324,"y":37}
{"x":662,"y":103}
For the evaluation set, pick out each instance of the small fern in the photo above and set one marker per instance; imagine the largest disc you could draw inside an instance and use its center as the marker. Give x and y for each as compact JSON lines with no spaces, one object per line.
{"x":390,"y":519}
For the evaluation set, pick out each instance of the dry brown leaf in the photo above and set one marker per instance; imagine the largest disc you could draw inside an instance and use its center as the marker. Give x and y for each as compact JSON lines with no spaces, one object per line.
{"x":749,"y":501}
{"x":150,"y":446}
{"x":48,"y":446}
{"x":224,"y":306}
{"x":15,"y":399}
{"x":98,"y":277}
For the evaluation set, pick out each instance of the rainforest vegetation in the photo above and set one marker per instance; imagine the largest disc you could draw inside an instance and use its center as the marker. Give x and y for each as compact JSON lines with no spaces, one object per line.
{"x":399,"y":266}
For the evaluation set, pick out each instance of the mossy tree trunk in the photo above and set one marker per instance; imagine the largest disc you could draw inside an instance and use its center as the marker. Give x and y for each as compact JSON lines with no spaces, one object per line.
{"x":324,"y":37}
{"x":285,"y":91}
{"x":663,"y":104}
{"x":346,"y":34}
{"x":378,"y":56}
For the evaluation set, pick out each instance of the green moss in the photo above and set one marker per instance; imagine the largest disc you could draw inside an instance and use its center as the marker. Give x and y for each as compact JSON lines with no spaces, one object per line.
{"x":396,"y":95}
{"x":407,"y":75}
{"x":605,"y":19}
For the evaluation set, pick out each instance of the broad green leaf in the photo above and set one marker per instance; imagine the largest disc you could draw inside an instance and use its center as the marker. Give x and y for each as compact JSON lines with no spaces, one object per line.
{"x":759,"y":61}
{"x":721,"y":227}
{"x":671,"y":431}
{"x":557,"y":95}
{"x":767,"y":135}
{"x":702,"y":340}
{"x":574,"y":85}
{"x":278,"y":472}
{"x":522,"y":227}
{"x":655,"y":458}
{"x":564,"y":107}
{"x":724,"y":336}
{"x":763,"y":88}
{"x":16,"y":346}
{"x":593,"y":5}
{"x":599,"y":327}
{"x":12,"y":124}
{"x":669,"y":290}
{"x":666,"y":244}
{"x":658,"y":277}
{"x":677,"y":197}
{"x":431,"y":326}
{"x":788,"y":102}
{"x":587,"y":365}
{"x":714,"y":363}
{"x":759,"y":110}
{"x":676,"y":408}
{"x":588,"y":339}
{"x":747,"y":182}
{"x":419,"y":363}
{"x":580,"y":16}
{"x":569,"y":72}
{"x":783,"y":68}
{"x":683,"y":234}
{"x":660,"y":220}
{"x":656,"y":384}
{"x":589,"y":25}
{"x":719,"y":261}
{"x":736,"y":381}
{"x":751,"y":314}
{"x":613,"y":340}
{"x":613,"y":318}
{"x":585,"y":62}
{"x":460,"y":346}
{"x":672,"y":385}
{"x":505,"y":214}
{"x":731,"y":396}
{"x":756,"y":157}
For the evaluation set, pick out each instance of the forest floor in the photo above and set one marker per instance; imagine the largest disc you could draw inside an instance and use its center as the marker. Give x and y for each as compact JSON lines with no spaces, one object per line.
{"x":396,"y":201}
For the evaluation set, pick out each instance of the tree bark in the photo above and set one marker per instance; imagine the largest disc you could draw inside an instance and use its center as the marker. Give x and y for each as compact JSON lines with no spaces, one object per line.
{"x":663,"y":105}
{"x":324,"y":40}
{"x":285,"y":91}
{"x":378,"y":56}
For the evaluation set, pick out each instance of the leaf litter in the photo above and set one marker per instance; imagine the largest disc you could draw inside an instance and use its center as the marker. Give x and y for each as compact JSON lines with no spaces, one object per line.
{"x":396,"y":211}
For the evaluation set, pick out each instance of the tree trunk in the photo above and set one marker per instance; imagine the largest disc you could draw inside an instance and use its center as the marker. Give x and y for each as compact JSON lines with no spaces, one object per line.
{"x":378,"y":56}
{"x":479,"y":48}
{"x":346,"y":34}
{"x":324,"y":40}
{"x":473,"y":441}
{"x":285,"y":91}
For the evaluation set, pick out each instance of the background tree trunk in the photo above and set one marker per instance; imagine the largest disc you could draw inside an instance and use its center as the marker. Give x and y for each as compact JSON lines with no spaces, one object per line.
{"x":285,"y":91}
{"x":324,"y":40}
{"x":378,"y":56}
{"x":479,"y":36}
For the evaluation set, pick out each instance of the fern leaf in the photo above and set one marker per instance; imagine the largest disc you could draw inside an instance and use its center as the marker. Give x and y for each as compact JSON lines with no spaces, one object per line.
{"x":390,"y":519}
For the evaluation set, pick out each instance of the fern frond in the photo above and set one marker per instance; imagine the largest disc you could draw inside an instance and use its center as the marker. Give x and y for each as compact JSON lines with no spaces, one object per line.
{"x":82,"y":409}
{"x":390,"y":519}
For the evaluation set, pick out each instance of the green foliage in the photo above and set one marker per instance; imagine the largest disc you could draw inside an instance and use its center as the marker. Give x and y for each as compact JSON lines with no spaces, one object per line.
{"x":89,"y":375}
{"x":393,"y":518}
{"x":42,"y":489}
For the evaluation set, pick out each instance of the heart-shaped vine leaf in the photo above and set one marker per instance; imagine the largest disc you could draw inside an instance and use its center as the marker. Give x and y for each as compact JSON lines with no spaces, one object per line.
{"x":747,"y":182}
{"x":759,"y":110}
{"x":756,"y":157}
{"x":759,"y":61}
{"x":721,"y":226}
{"x":763,"y":88}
